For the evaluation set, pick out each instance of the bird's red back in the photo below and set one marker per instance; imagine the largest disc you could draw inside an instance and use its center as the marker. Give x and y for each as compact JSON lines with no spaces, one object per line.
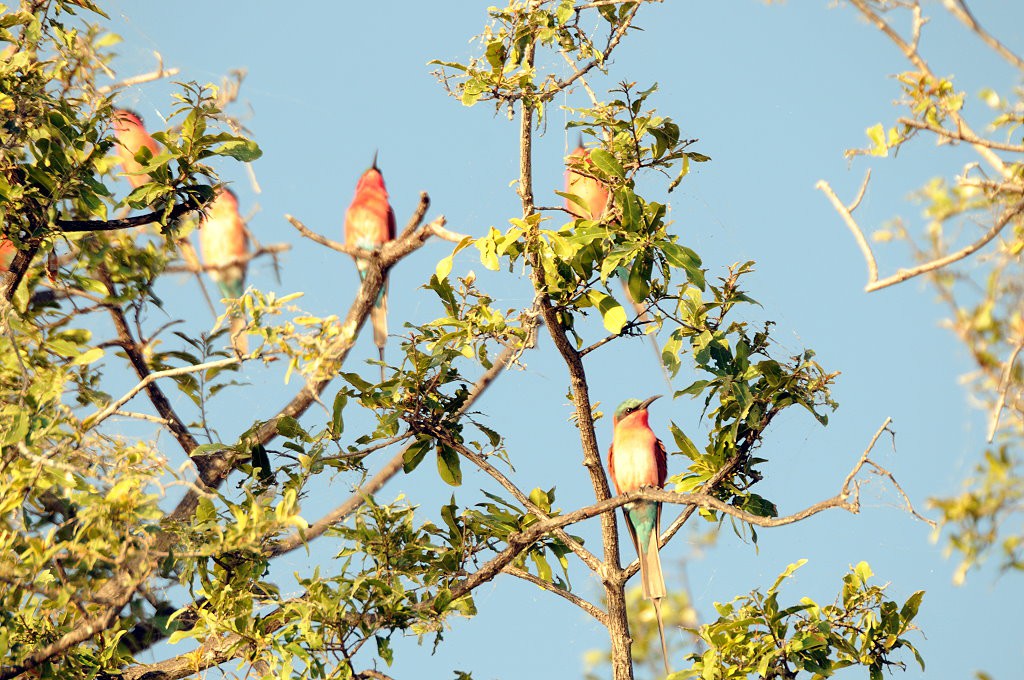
{"x":369,"y":220}
{"x":222,"y":235}
{"x":132,"y":136}
{"x":7,"y":253}
{"x":593,"y":193}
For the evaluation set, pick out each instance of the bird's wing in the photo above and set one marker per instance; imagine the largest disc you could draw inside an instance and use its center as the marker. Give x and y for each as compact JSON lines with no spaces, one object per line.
{"x":662,"y":461}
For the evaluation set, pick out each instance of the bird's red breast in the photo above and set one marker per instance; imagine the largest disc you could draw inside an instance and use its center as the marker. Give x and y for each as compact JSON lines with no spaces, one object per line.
{"x":224,"y":243}
{"x":593,"y":193}
{"x":131,"y":137}
{"x":222,"y":236}
{"x":369,"y":220}
{"x":636,"y":458}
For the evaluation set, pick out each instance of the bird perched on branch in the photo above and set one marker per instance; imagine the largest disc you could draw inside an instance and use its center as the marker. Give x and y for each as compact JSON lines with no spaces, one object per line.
{"x":594,"y":195}
{"x":590,"y":191}
{"x":636,"y":460}
{"x":369,"y":224}
{"x":132,"y":137}
{"x":224,"y":243}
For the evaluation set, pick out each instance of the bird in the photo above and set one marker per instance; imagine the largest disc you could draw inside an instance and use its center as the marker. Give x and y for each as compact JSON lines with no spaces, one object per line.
{"x":224,"y":244}
{"x":369,"y":224}
{"x":636,"y":459}
{"x":132,"y":137}
{"x":7,"y":252}
{"x":591,"y":191}
{"x":594,"y":194}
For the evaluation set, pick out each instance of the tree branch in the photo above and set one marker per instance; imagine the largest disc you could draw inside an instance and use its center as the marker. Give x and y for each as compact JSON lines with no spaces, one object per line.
{"x":910,"y":52}
{"x":585,"y":605}
{"x":960,"y":135}
{"x":98,"y":417}
{"x":959,"y":9}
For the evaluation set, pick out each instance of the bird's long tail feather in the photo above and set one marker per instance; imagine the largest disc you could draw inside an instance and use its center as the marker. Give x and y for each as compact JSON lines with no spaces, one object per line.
{"x":661,"y":631}
{"x":650,"y":569}
{"x":379,"y":319}
{"x":654,"y":585}
{"x":642,"y":315}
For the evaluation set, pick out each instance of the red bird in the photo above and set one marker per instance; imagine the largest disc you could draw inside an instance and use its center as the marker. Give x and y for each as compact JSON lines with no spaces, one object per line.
{"x":225,"y":244}
{"x":636,"y":459}
{"x":593,"y":193}
{"x":131,"y":138}
{"x":7,"y":253}
{"x":369,"y":224}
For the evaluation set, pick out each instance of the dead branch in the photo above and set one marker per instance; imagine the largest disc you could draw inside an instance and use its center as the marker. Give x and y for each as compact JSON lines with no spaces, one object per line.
{"x":1004,"y":386}
{"x":98,"y":417}
{"x":959,"y":9}
{"x":585,"y":605}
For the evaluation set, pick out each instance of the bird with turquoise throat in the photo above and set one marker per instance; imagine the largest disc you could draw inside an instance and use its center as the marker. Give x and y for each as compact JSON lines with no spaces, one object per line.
{"x":636,"y":459}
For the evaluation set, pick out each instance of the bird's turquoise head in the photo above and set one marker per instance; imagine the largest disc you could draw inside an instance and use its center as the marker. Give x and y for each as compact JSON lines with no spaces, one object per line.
{"x":632,"y":406}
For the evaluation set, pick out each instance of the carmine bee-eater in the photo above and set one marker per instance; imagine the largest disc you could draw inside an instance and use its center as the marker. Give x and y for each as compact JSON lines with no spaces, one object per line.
{"x":637,"y":459}
{"x":225,"y":244}
{"x":369,"y":224}
{"x":7,"y":253}
{"x":131,"y":137}
{"x":593,"y":193}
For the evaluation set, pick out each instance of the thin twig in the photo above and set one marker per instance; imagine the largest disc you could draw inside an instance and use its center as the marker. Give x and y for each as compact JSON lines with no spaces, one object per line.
{"x":158,"y":74}
{"x":98,"y":417}
{"x":1004,"y":386}
{"x":389,"y":470}
{"x":585,"y":605}
{"x":959,"y":9}
{"x":960,"y":135}
{"x":846,"y":213}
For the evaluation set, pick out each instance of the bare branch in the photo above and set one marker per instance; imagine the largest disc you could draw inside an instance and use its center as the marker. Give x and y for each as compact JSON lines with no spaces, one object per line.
{"x":158,"y":74}
{"x":194,"y":266}
{"x":959,"y":9}
{"x":135,"y":355}
{"x":904,"y":274}
{"x":846,"y":213}
{"x":177,"y":211}
{"x":1004,"y":386}
{"x":323,"y":240}
{"x":585,"y":605}
{"x":98,"y":417}
{"x":960,"y":135}
{"x":910,"y":52}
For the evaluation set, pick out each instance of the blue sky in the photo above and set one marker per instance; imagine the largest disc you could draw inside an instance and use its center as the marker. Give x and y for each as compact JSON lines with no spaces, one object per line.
{"x":775,"y":94}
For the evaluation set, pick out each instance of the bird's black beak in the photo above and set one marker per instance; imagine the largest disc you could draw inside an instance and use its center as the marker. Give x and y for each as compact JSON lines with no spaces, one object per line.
{"x":374,"y":164}
{"x":647,"y":402}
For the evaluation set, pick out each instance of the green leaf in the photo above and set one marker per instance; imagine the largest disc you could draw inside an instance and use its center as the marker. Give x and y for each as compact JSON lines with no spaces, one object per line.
{"x":448,"y":465}
{"x":244,"y":150}
{"x":910,"y":607}
{"x":415,"y":453}
{"x":88,"y":357}
{"x":640,"y":277}
{"x":607,"y":163}
{"x":876,"y":133}
{"x":863,"y":571}
{"x":684,"y":443}
{"x":337,"y":412}
{"x":612,"y":313}
{"x":261,"y":460}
